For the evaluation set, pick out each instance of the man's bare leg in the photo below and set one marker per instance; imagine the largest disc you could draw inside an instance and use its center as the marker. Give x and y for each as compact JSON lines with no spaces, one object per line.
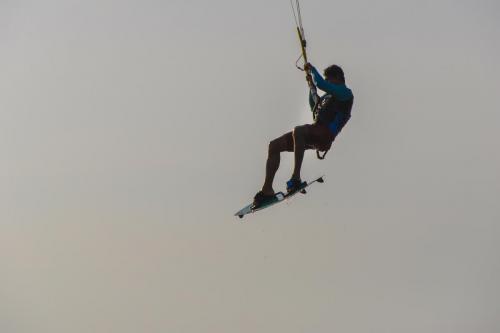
{"x":299,"y":146}
{"x":273,"y":162}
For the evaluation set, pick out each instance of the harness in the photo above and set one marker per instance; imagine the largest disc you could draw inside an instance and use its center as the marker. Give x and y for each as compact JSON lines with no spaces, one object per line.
{"x":330,"y":110}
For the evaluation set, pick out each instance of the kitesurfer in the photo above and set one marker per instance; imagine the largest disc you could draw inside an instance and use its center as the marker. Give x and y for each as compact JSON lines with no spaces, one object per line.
{"x":331,"y":112}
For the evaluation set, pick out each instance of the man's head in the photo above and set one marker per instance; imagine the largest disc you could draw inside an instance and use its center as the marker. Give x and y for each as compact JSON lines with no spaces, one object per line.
{"x":334,"y":74}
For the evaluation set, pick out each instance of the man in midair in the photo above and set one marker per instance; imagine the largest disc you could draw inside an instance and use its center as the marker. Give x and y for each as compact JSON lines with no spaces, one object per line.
{"x":330,"y":111}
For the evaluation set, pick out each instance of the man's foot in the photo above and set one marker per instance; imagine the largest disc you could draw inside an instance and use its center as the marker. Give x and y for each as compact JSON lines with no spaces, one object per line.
{"x":294,"y":185}
{"x":260,"y":198}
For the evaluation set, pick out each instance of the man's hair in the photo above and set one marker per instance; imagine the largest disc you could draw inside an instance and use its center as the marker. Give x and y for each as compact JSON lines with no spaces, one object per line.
{"x":335,"y":71}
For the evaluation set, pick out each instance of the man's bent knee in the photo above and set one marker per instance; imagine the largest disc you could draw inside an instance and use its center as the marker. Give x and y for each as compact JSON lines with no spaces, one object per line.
{"x":300,"y":131}
{"x":274,"y":147}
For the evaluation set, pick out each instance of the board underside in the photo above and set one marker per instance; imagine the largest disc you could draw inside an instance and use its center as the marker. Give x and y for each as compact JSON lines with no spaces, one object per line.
{"x":248,"y":209}
{"x":280,"y":196}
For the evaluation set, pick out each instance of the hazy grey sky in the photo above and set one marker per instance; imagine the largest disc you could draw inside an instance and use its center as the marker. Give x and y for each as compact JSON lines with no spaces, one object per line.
{"x":131,"y":131}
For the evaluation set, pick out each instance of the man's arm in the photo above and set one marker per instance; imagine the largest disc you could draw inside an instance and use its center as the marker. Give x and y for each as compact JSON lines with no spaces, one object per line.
{"x":339,"y":91}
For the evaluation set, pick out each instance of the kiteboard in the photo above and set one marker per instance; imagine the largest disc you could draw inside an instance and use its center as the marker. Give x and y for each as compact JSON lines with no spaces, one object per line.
{"x":278,"y":197}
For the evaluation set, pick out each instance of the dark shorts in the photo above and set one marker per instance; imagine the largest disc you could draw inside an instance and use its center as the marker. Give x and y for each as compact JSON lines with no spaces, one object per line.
{"x":317,"y":136}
